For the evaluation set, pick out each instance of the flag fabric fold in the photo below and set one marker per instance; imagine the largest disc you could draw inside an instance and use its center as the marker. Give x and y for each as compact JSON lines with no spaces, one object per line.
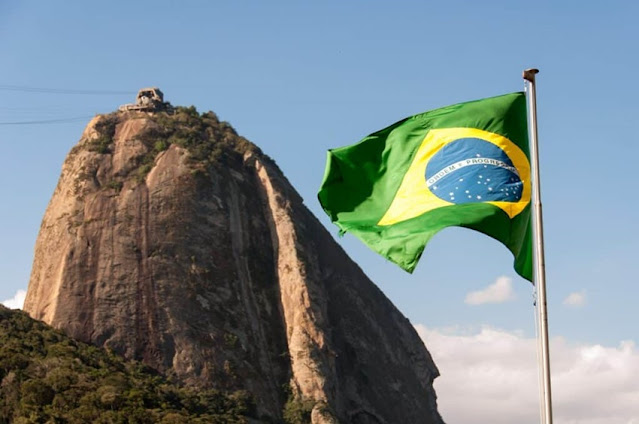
{"x":463,"y":165}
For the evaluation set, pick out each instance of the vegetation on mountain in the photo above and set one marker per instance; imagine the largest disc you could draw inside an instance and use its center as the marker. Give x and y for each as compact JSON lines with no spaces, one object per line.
{"x":210,"y":142}
{"x":46,"y":377}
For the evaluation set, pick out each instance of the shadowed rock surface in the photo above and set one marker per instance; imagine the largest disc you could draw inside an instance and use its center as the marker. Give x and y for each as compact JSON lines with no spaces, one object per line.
{"x":172,"y":240}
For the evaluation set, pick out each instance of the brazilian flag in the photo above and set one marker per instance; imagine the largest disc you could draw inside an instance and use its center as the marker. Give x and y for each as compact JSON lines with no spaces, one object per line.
{"x":463,"y":165}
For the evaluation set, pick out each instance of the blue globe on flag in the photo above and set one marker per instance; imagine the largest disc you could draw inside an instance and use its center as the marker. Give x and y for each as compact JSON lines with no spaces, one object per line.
{"x":472,"y":170}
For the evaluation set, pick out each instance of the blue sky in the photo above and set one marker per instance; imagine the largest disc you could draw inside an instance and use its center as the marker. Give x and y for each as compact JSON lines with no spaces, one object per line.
{"x":298,"y":78}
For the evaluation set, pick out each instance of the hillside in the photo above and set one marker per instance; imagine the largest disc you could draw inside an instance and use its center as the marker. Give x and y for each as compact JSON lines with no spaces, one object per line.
{"x":47,"y":377}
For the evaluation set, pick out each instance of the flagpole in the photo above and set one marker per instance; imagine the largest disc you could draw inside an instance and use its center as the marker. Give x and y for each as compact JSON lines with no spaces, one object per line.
{"x":538,"y":241}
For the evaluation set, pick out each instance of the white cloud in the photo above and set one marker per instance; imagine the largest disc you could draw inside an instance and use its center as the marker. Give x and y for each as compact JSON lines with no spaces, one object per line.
{"x":17,"y":301}
{"x":499,"y":292}
{"x":576,"y":299}
{"x":492,"y":377}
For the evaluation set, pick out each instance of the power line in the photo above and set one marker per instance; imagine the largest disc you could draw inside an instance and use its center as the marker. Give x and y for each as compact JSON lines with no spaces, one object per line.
{"x":48,"y":121}
{"x":42,"y":90}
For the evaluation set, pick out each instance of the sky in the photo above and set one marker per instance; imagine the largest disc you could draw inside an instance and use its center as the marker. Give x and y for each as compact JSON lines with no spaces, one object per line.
{"x":298,"y":78}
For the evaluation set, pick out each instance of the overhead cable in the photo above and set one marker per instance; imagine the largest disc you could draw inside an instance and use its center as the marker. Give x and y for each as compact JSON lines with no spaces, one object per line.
{"x":26,"y":89}
{"x":48,"y":121}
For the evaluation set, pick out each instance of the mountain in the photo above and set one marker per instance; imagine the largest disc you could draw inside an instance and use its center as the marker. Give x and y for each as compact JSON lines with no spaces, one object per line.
{"x":174,"y":241}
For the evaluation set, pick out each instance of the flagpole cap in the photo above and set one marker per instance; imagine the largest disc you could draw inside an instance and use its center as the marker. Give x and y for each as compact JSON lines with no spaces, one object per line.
{"x":529,"y":74}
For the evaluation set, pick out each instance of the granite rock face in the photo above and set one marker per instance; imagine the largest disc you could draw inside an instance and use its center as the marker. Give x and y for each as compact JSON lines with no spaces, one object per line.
{"x":217,"y":274}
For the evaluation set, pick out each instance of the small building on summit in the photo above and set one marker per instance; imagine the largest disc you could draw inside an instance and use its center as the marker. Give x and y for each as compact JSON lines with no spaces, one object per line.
{"x":148,"y":100}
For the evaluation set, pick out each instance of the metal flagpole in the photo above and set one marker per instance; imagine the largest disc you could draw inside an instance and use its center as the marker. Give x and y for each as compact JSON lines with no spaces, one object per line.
{"x":538,"y":240}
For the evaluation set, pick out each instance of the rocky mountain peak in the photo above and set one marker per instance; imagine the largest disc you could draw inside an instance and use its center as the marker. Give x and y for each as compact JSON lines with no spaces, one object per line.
{"x":173,"y":240}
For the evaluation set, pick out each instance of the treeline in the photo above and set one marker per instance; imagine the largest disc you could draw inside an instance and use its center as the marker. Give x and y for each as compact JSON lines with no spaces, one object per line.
{"x":46,"y":377}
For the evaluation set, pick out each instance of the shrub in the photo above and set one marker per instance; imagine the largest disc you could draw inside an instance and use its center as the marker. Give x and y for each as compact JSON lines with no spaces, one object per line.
{"x":298,"y":410}
{"x":105,"y":128}
{"x":160,"y":146}
{"x":36,"y":392}
{"x":115,"y":185}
